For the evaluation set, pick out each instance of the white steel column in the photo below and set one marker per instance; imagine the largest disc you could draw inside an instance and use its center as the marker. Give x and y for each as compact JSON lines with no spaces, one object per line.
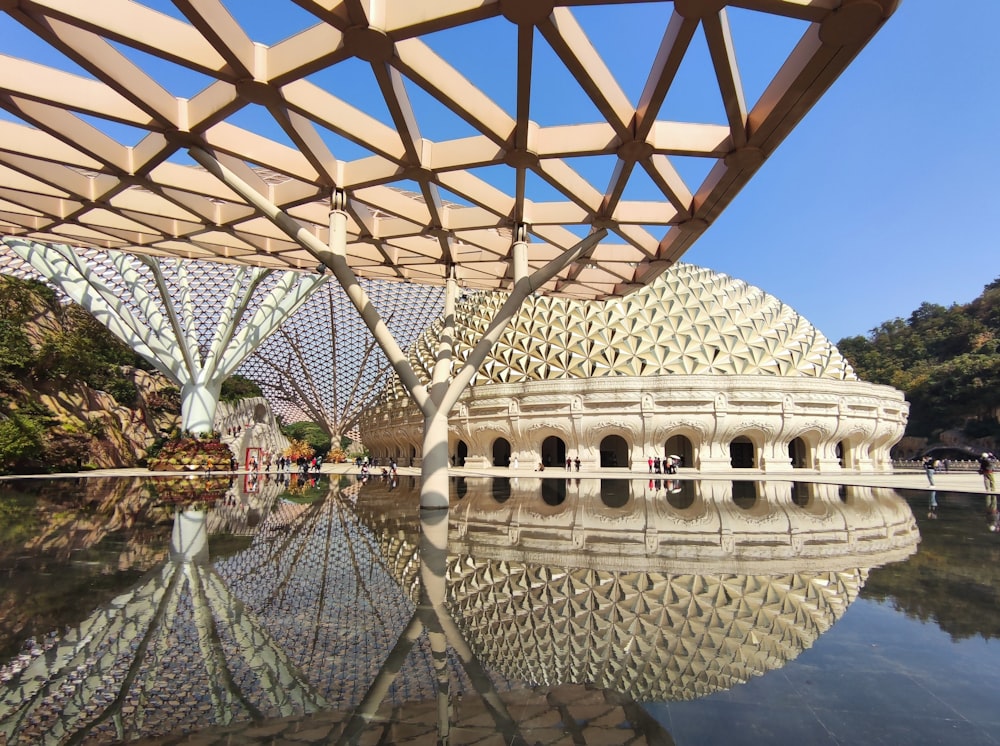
{"x":437,"y":404}
{"x":162,"y":329}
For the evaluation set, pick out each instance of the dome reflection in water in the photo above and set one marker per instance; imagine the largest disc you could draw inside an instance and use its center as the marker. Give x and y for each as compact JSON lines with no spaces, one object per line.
{"x":534,"y":608}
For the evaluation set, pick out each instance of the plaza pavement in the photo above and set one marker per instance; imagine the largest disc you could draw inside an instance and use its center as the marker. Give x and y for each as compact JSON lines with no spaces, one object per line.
{"x":915,"y":479}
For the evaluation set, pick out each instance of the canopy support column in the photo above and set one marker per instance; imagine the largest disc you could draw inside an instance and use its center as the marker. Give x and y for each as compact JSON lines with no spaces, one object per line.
{"x":437,"y":403}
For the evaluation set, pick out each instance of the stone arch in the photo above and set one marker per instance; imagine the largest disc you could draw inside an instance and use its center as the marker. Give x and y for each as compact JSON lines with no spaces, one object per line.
{"x":461,"y":453}
{"x":679,"y":444}
{"x":844,"y":453}
{"x":501,"y":452}
{"x":553,"y":451}
{"x":615,"y":493}
{"x":801,"y":494}
{"x":500,"y":489}
{"x":553,"y":491}
{"x":681,"y":496}
{"x":614,"y":450}
{"x":743,"y":453}
{"x":745,"y":495}
{"x":800,"y":454}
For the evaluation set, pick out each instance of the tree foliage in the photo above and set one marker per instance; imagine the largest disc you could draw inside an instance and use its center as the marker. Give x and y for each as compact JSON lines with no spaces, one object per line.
{"x":43,"y":340}
{"x":298,"y":449}
{"x":70,"y":343}
{"x":945,"y":359}
{"x":22,"y":439}
{"x":237,"y":387}
{"x":311,"y":433}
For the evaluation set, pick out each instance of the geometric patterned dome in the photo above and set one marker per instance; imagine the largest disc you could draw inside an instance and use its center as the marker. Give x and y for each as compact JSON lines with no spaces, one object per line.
{"x":654,"y":626}
{"x":651,"y":636}
{"x":689,"y":321}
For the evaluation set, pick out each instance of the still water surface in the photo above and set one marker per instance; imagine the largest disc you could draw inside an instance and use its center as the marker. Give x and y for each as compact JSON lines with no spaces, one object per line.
{"x":533,"y":611}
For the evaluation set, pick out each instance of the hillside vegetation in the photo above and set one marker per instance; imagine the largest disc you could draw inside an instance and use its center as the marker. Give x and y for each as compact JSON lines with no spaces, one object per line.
{"x":71,"y":394}
{"x":947,"y":362}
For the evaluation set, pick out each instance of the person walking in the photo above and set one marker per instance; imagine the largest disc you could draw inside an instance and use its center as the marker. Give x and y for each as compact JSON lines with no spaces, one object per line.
{"x":986,"y":469}
{"x":929,"y":464}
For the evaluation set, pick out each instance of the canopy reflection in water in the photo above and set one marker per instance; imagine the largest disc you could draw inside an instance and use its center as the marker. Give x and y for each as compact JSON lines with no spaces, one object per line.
{"x":533,"y":608}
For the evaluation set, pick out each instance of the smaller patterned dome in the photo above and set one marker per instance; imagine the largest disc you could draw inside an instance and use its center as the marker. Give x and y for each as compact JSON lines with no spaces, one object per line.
{"x":688,"y":321}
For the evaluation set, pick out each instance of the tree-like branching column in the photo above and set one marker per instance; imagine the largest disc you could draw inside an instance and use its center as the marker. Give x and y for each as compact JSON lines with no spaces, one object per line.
{"x":436,"y":399}
{"x":162,"y":326}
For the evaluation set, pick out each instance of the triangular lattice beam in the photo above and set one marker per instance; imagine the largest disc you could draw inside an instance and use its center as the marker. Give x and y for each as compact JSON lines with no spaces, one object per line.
{"x":380,"y":100}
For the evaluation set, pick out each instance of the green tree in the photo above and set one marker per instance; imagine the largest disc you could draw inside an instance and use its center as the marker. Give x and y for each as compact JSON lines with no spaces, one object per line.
{"x":945,"y":359}
{"x":237,"y":387}
{"x":311,"y":433}
{"x":16,"y":355}
{"x":22,"y":441}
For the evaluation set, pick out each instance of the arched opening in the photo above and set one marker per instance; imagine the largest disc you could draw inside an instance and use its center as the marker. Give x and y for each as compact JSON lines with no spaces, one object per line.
{"x":680,"y":495}
{"x":614,"y":452}
{"x":500,"y":489}
{"x":798,"y":454}
{"x":741,"y":453}
{"x":614,"y":492}
{"x":259,"y":413}
{"x":501,"y":452}
{"x":843,"y":451}
{"x":745,"y":494}
{"x":679,"y":446}
{"x":801,"y":494}
{"x":461,"y":453}
{"x":553,"y":452}
{"x":554,"y":491}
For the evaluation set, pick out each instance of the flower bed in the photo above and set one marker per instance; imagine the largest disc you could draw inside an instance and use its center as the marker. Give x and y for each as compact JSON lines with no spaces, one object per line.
{"x":192,"y":454}
{"x":189,"y":492}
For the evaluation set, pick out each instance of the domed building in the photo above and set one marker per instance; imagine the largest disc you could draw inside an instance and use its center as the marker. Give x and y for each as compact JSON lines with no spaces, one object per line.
{"x":696,"y":365}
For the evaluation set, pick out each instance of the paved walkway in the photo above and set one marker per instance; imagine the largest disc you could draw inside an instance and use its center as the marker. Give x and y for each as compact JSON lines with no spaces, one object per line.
{"x":954,"y":481}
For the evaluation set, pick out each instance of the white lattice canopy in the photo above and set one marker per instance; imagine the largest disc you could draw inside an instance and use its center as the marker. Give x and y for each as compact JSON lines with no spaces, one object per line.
{"x":444,"y":125}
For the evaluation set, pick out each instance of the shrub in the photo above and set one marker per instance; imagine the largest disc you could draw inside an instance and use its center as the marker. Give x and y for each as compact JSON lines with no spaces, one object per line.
{"x":21,"y":442}
{"x":122,"y":389}
{"x":298,"y":449}
{"x":311,"y":433}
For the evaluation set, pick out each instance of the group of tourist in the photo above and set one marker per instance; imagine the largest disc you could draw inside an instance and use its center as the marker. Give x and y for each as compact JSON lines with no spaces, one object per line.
{"x":667,"y":466}
{"x":986,"y":467}
{"x":571,"y":462}
{"x":392,"y":470}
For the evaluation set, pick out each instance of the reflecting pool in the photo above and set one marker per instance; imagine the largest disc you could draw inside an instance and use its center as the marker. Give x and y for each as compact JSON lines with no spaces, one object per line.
{"x":577,"y":611}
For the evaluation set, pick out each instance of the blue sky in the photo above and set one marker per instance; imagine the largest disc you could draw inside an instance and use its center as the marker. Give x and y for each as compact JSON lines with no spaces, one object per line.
{"x":886,"y":195}
{"x":879,"y":200}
